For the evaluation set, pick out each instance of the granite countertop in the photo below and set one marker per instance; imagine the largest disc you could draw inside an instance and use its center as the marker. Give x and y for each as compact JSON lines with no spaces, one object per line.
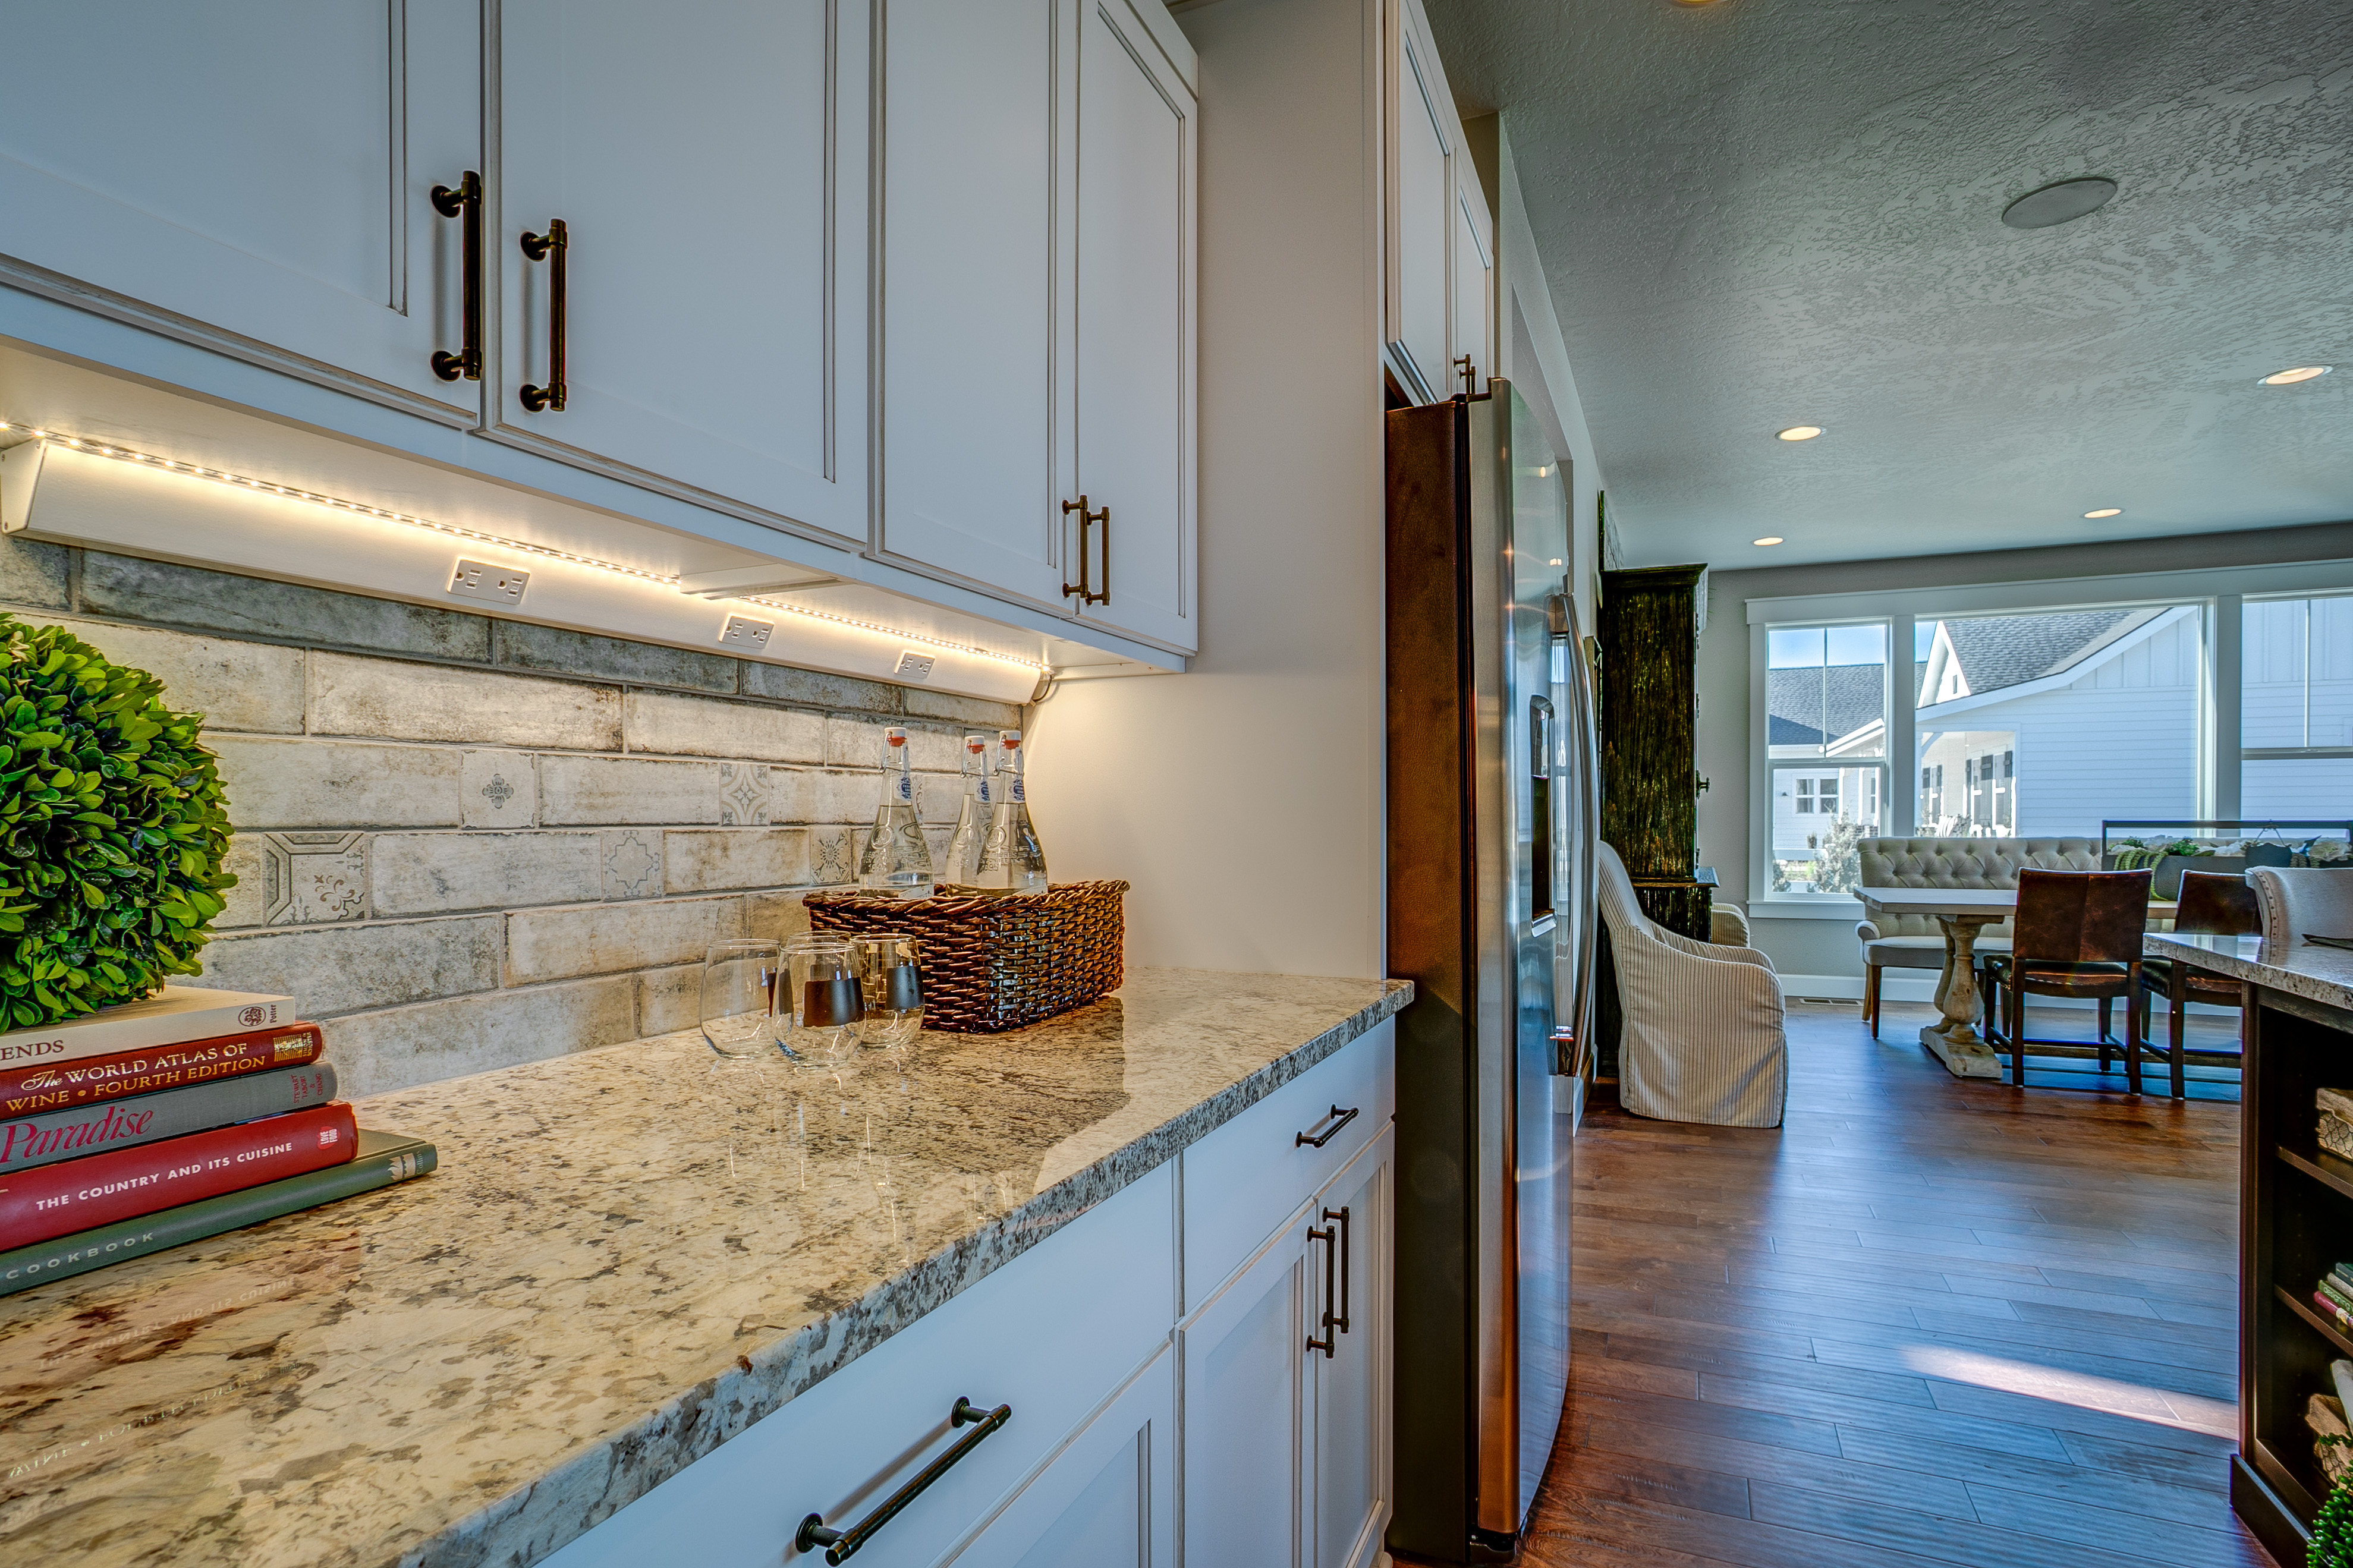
{"x":628,"y":1255}
{"x":2316,"y":973}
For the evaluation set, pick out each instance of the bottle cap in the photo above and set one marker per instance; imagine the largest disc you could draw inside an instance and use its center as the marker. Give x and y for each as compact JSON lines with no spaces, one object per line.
{"x":976,"y":742}
{"x":1011,"y":738}
{"x":894,"y":737}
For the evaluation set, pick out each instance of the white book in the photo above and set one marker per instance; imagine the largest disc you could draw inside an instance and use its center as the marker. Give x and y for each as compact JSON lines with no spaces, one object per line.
{"x":174,"y":1016}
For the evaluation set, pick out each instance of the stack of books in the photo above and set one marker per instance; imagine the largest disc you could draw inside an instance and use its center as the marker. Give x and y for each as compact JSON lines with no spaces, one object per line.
{"x":169,"y":1119}
{"x":2335,"y":1107}
{"x":2334,"y":1296}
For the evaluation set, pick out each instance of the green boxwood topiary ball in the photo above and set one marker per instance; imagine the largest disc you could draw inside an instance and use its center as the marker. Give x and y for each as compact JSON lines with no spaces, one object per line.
{"x":113,"y":827}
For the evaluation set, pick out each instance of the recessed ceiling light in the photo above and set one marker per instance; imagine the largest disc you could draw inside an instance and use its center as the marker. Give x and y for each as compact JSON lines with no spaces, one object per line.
{"x":2301,"y":373}
{"x":2063,"y":201}
{"x":1552,"y":562}
{"x":1768,"y":539}
{"x":1798,"y":433}
{"x":2107,"y":511}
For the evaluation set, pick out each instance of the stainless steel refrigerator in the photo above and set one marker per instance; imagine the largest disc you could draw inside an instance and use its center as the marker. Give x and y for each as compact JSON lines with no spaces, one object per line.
{"x":1492,"y":820}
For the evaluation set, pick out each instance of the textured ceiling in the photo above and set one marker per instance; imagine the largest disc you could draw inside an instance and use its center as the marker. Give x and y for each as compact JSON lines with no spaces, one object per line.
{"x":1765,"y":212}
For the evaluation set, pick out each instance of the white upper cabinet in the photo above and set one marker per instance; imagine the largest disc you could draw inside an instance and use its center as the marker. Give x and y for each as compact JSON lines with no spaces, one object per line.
{"x":971,"y":258}
{"x":1037,"y":289}
{"x":251,"y":175}
{"x":1474,"y":277}
{"x":1439,"y":247}
{"x":1422,"y":221}
{"x":1134,"y":434}
{"x":701,"y":328}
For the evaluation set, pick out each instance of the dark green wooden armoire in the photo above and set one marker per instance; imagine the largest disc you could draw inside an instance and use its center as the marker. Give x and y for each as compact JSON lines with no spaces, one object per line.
{"x":1650,"y":623}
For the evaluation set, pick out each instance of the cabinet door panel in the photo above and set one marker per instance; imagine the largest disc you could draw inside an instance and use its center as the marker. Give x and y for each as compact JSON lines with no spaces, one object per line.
{"x":1474,"y":282}
{"x":1352,"y":1385}
{"x":1249,"y":1410}
{"x":251,"y":175}
{"x":1104,"y":1501}
{"x":708,"y":160}
{"x":973,"y":224}
{"x":1425,"y":222}
{"x":1136,"y":359}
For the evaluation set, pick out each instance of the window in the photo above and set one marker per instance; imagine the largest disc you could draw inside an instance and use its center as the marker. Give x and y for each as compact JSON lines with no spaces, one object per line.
{"x":2101,"y":703}
{"x":2296,"y":708}
{"x":1827,"y":737}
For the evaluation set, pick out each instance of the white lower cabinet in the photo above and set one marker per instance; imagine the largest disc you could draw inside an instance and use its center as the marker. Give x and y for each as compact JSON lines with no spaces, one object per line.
{"x":1104,"y":1501}
{"x":1228,"y":1438}
{"x":1285,"y":1434}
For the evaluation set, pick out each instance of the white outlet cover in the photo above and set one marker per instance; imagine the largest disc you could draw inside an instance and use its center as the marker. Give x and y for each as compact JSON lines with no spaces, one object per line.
{"x":491,"y":585}
{"x":744,"y":632}
{"x":913,"y":666}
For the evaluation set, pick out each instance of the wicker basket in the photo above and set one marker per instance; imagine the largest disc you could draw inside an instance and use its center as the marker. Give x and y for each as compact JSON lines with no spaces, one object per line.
{"x":995,"y":963}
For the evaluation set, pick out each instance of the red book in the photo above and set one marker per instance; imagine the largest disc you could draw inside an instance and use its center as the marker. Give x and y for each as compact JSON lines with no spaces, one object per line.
{"x":60,"y":1085}
{"x":2334,"y":1312}
{"x":50,"y":1201}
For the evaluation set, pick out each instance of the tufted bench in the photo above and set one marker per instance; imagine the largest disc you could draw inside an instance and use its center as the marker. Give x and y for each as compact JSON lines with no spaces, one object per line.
{"x":1916,"y":941}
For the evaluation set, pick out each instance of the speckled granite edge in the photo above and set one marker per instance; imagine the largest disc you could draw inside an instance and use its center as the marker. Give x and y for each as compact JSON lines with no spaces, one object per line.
{"x":2323,"y":974}
{"x":593,"y":1485}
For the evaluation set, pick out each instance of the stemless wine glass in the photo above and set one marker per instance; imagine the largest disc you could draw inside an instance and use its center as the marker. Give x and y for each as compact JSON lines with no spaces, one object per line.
{"x":739,"y":997}
{"x":892,"y":988}
{"x":822,"y":1002}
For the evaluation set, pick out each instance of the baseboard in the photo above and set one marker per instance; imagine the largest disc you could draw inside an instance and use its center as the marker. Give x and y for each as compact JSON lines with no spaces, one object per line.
{"x":1920,"y":985}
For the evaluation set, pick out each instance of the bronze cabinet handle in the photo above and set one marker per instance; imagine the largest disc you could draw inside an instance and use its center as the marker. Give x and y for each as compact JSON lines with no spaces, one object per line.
{"x":1300,"y":1141}
{"x":1084,"y":586}
{"x":1340,"y":1321}
{"x":1330,"y":1240}
{"x":551,"y":247}
{"x":465,"y":201}
{"x":840,"y":1544}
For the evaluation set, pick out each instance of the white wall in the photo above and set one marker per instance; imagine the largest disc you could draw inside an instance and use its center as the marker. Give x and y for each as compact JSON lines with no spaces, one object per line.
{"x":1243,"y":800}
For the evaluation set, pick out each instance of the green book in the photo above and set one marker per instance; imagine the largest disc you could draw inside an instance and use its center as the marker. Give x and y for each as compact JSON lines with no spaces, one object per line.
{"x":384,"y":1159}
{"x":2336,"y":1291}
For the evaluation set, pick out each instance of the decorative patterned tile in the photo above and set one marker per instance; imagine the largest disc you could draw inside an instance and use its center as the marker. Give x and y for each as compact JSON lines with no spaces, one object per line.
{"x":312,"y":879}
{"x":501,"y":789}
{"x":744,"y":793}
{"x":833,"y":857}
{"x":633,"y":863}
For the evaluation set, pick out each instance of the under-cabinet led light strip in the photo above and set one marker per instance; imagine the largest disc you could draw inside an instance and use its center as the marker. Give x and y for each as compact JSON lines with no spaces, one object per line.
{"x":336,"y":504}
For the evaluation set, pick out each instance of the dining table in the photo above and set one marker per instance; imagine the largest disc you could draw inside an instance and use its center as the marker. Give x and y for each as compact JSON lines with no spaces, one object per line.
{"x":1960,"y":913}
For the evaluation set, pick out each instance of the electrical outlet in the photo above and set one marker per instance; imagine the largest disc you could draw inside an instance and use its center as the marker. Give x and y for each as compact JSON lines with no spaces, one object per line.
{"x":913,"y":666}
{"x":744,"y":632}
{"x":491,"y":585}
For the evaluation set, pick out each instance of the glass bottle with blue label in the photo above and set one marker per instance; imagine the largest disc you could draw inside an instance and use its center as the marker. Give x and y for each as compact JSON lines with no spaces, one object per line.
{"x":897,"y":858}
{"x":1011,"y":856}
{"x":973,"y":820}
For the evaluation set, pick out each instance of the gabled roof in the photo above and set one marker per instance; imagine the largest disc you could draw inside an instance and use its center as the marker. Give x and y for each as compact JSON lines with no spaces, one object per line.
{"x":1815,"y":705}
{"x":1998,"y":651}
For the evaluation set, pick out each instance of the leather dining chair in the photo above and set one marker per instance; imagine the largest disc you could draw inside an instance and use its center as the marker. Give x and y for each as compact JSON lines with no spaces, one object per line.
{"x":2212,"y":904}
{"x":2076,"y":933}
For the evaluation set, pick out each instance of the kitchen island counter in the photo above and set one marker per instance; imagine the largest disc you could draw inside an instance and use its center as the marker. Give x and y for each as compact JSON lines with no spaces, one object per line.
{"x":628,"y":1257}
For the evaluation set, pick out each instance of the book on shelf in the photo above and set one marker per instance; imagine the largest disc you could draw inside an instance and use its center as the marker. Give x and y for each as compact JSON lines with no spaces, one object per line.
{"x":2333,"y":1312}
{"x":2336,"y":1291}
{"x":173,"y":1016}
{"x":2335,"y":1135}
{"x":49,"y":1201}
{"x":384,"y":1159}
{"x":26,"y":1089}
{"x":31,"y":1141}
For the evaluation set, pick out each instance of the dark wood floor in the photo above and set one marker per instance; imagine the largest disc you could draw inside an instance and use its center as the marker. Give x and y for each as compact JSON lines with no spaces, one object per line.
{"x":1927,"y":1322}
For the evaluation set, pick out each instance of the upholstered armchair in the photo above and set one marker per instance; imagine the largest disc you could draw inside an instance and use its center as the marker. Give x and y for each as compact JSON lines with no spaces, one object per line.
{"x":1916,"y":941}
{"x":1703,"y":1038}
{"x":2297,"y":900}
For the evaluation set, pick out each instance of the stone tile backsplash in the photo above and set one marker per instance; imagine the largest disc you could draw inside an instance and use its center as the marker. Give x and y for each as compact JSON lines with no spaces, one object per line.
{"x":464,"y":843}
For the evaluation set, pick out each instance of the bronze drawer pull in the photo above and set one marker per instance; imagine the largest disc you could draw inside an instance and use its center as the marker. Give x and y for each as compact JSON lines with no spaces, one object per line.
{"x":1330,"y":1238}
{"x":554,"y":244}
{"x":840,"y":1544}
{"x":1341,"y":1321}
{"x":465,"y":201}
{"x":1301,"y":1141}
{"x":1084,"y":586}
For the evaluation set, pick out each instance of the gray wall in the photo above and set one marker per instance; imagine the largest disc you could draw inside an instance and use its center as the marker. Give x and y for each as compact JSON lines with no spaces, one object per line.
{"x":1803,"y":946}
{"x":463,"y":843}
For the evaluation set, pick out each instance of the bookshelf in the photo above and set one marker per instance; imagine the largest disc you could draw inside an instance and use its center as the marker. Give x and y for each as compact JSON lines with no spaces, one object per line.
{"x":2295,"y":1220}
